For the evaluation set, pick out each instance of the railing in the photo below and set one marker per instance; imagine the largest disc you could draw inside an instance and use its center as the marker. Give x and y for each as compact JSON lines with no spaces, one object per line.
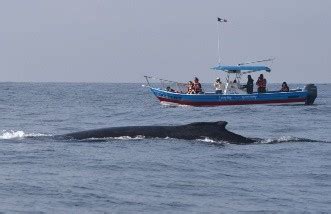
{"x":167,"y":85}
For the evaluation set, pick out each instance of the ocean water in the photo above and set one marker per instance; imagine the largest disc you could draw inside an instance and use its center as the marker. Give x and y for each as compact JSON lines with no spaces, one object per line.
{"x":288,"y":170}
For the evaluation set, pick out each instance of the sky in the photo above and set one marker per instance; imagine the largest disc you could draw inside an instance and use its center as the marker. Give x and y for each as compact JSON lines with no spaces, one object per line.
{"x":121,"y":41}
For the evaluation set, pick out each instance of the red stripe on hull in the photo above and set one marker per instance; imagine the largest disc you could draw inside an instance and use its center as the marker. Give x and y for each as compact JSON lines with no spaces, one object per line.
{"x":223,"y":103}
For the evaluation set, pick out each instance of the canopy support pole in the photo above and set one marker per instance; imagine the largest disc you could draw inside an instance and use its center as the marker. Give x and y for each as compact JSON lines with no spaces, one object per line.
{"x":218,"y":43}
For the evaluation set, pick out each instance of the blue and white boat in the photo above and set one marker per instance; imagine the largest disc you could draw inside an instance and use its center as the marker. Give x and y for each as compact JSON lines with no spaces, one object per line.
{"x":232,"y":95}
{"x":171,"y":92}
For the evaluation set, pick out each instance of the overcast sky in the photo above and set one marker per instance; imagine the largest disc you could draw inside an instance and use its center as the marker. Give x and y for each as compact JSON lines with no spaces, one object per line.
{"x":120,"y":41}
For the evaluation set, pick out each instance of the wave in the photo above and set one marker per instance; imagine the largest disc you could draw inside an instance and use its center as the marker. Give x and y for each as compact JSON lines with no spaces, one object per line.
{"x":282,"y":139}
{"x":173,"y":105}
{"x":288,"y":139}
{"x":7,"y":135}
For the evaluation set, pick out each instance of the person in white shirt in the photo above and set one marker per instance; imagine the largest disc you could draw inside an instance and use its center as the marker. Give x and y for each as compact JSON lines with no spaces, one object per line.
{"x":219,"y":87}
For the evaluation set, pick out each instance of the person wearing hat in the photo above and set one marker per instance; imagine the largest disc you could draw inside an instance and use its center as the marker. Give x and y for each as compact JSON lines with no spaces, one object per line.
{"x":219,"y":87}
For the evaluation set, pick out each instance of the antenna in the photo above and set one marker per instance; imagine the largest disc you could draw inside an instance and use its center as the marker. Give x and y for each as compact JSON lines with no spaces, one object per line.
{"x":257,"y":61}
{"x":219,"y":20}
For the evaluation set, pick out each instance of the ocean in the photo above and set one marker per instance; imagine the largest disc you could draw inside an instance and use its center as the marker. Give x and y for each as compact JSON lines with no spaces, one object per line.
{"x":288,"y":170}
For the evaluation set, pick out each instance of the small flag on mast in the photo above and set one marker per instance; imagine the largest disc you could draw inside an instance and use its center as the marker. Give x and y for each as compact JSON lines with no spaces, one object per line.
{"x":221,"y":20}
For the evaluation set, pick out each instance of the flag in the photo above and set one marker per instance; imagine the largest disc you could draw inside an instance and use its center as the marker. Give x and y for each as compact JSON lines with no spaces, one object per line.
{"x":221,"y":20}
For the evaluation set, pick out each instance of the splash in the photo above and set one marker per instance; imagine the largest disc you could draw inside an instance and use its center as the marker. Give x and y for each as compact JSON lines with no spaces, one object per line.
{"x":139,"y":137}
{"x":6,"y":135}
{"x":207,"y":140}
{"x":172,"y":105}
{"x":286,"y":139}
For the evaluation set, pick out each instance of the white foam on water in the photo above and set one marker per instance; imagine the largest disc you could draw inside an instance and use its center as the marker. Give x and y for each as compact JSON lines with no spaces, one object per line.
{"x":139,"y":137}
{"x":169,"y":104}
{"x":11,"y":134}
{"x":283,"y":139}
{"x":6,"y":135}
{"x":207,"y":140}
{"x":287,"y":139}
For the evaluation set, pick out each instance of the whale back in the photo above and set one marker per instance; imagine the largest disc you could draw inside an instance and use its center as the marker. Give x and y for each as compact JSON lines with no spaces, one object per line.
{"x":216,"y":131}
{"x":218,"y":124}
{"x":192,"y":131}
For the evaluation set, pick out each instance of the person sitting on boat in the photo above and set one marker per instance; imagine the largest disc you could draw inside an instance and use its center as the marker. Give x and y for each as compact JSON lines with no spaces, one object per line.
{"x":262,"y":84}
{"x":190,"y":88}
{"x":219,"y":86}
{"x":170,"y":89}
{"x":285,"y":87}
{"x":197,"y":86}
{"x":250,"y":84}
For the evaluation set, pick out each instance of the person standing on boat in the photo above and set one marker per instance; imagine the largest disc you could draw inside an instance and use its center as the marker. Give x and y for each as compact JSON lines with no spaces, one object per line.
{"x":262,"y":84}
{"x":250,"y":85}
{"x":190,"y":88}
{"x":219,"y":87}
{"x":197,"y":86}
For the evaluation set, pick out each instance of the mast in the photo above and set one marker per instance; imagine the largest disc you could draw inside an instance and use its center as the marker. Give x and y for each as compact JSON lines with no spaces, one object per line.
{"x":219,"y":20}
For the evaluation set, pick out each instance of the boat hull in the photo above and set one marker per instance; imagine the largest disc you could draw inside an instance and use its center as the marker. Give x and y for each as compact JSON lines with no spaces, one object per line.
{"x":212,"y":99}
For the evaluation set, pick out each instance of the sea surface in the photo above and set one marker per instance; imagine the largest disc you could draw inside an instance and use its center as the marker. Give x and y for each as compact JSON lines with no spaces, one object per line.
{"x":288,"y":170}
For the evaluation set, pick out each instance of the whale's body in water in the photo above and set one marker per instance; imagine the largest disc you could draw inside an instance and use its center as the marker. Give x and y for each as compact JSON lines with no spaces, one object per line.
{"x":199,"y":130}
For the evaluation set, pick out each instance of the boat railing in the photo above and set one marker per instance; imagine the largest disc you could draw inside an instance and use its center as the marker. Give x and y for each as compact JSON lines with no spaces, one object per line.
{"x":164,"y":84}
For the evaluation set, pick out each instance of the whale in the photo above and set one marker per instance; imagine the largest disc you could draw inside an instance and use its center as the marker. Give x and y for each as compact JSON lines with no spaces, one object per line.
{"x":193,"y":131}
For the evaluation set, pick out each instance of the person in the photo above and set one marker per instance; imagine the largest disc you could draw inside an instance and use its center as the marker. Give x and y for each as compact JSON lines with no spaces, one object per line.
{"x":219,"y":87}
{"x":261,"y":84}
{"x":250,"y":84}
{"x":197,"y":86}
{"x":190,"y":88}
{"x":285,"y":87}
{"x":170,"y":89}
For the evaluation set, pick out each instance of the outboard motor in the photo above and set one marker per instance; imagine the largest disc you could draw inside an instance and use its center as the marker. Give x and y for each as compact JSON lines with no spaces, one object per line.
{"x":312,"y":93}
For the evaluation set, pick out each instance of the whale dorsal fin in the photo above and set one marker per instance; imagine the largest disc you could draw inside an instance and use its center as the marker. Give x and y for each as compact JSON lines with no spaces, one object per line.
{"x":220,"y":124}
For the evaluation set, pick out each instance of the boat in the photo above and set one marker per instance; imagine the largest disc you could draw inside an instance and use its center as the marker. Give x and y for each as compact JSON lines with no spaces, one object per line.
{"x":234,"y":93}
{"x":306,"y":95}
